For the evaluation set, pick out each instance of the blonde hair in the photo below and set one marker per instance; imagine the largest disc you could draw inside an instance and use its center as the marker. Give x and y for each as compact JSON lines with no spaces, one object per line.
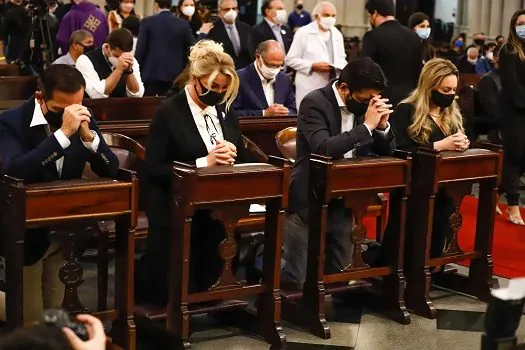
{"x":208,"y":58}
{"x":432,"y":75}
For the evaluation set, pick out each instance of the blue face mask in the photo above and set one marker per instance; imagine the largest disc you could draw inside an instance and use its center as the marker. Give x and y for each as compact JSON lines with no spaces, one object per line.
{"x":424,"y":33}
{"x":520,"y":31}
{"x":459,"y":43}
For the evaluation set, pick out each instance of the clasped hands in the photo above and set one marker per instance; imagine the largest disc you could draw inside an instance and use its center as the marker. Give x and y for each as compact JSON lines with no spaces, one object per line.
{"x":378,"y":113}
{"x":224,"y":153}
{"x":76,"y":118}
{"x":125,"y":62}
{"x":456,"y":142}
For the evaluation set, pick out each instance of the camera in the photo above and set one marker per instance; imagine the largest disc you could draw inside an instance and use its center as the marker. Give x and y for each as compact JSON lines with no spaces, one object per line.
{"x":38,"y":8}
{"x":61,"y":319}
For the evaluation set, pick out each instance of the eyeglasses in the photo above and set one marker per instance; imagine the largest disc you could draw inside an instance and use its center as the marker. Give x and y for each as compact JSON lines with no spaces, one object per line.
{"x":213,"y":135}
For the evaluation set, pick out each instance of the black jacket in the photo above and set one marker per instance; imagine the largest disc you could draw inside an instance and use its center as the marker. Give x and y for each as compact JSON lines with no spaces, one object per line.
{"x":401,"y":119}
{"x":262,"y":32}
{"x":512,"y":88}
{"x":28,"y":153}
{"x":173,"y":136}
{"x":220,"y":35}
{"x":319,"y":132}
{"x":397,"y":50}
{"x":488,"y":93}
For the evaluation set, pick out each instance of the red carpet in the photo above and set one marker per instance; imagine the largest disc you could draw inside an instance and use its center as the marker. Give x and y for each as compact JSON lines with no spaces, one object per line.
{"x":508,"y":249}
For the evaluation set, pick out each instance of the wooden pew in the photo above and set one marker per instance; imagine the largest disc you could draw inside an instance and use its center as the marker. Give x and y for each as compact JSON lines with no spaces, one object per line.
{"x":358,"y":181}
{"x":262,"y":131}
{"x":64,"y":206}
{"x":17,"y":88}
{"x":228,"y":191}
{"x":9,"y":70}
{"x":123,"y":109}
{"x":454,"y":173}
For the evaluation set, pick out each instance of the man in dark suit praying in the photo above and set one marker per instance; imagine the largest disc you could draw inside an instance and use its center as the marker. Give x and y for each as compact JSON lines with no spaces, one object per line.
{"x":345,"y":119}
{"x":265,"y":89}
{"x":232,"y":33}
{"x":48,"y":138}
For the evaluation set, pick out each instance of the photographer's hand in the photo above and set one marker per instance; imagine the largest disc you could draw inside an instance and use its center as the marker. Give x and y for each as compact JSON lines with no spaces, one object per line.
{"x":97,"y":337}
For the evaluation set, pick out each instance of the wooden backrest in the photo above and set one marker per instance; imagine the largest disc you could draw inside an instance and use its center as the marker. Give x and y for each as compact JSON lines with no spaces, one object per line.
{"x":121,"y":109}
{"x":285,"y":140}
{"x":254,"y":150}
{"x":9,"y":70}
{"x":17,"y":88}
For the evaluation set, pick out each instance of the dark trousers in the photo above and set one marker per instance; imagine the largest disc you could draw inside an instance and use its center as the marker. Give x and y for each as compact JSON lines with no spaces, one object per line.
{"x":441,"y":231}
{"x":339,"y":247}
{"x":152,"y":270}
{"x":513,"y":162}
{"x":157,"y":88}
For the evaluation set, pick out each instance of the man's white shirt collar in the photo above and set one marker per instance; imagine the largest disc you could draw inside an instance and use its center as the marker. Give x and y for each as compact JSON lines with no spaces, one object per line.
{"x":38,"y":116}
{"x":340,"y":101}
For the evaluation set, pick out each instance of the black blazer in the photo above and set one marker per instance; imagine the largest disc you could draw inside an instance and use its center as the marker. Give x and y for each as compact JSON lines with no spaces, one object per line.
{"x":28,"y":153}
{"x":163,"y":47}
{"x":401,"y":119}
{"x":319,"y":132}
{"x":512,"y":89}
{"x":488,"y":95}
{"x":262,"y":32}
{"x":251,"y":100}
{"x":397,"y":50}
{"x":173,"y":136}
{"x":220,"y":35}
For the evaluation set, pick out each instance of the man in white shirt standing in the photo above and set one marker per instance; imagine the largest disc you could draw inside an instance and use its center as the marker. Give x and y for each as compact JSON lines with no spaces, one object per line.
{"x":265,"y":90}
{"x":48,"y":138}
{"x":318,"y":51}
{"x":112,"y":71}
{"x":80,"y":43}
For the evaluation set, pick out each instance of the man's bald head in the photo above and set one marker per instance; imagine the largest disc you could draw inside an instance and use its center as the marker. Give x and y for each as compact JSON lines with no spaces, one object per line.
{"x":271,"y":50}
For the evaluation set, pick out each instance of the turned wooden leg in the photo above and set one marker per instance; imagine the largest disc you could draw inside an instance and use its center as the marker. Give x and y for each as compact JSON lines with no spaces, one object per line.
{"x":71,"y":272}
{"x":124,"y":283}
{"x":314,"y":291}
{"x":269,"y":310}
{"x":102,"y":268}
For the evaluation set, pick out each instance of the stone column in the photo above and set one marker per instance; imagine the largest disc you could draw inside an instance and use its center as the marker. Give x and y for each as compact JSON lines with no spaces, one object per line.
{"x":496,"y":12}
{"x":484,"y":16}
{"x":474,"y":17}
{"x":510,"y":6}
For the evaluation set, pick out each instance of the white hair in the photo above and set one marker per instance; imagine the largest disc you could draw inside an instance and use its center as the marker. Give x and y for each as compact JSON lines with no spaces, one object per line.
{"x":219,"y":3}
{"x":321,"y":5}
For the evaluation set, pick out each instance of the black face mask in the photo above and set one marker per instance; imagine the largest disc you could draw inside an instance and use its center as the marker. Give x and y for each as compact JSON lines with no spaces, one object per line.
{"x":54,"y":119}
{"x":442,"y":100}
{"x":88,"y":48}
{"x":300,"y":7}
{"x":356,"y":108}
{"x":210,"y":97}
{"x":479,"y":42}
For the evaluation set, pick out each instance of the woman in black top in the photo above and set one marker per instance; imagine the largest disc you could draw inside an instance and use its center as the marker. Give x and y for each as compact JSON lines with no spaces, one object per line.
{"x":187,"y":10}
{"x":198,"y":127}
{"x":512,"y":68}
{"x":419,"y":22}
{"x":430,"y":118}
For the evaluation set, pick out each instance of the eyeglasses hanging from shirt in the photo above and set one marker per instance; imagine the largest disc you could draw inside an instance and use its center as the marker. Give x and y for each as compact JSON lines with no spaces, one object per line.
{"x":213,"y":134}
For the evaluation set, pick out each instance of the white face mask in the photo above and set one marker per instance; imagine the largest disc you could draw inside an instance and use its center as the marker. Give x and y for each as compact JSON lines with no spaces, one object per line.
{"x":112,"y":60}
{"x":327,"y":23}
{"x":230,"y":16}
{"x":267,"y":72}
{"x":490,"y":56}
{"x":188,"y":10}
{"x":127,"y":7}
{"x":472,"y":60}
{"x":280,"y":16}
{"x":424,"y":33}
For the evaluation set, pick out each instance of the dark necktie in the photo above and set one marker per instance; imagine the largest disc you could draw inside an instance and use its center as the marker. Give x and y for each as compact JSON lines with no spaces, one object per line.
{"x":234,"y":39}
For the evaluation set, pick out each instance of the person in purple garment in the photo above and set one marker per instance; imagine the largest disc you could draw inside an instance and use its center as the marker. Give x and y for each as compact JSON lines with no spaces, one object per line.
{"x":83,"y":15}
